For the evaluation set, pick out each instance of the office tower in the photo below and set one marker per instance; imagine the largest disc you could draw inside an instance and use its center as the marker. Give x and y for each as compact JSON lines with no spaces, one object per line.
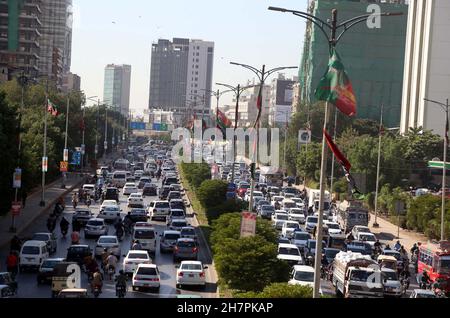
{"x":116,"y":90}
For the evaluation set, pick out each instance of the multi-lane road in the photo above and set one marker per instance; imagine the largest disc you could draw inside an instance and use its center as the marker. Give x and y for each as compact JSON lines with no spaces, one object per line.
{"x":29,"y":288}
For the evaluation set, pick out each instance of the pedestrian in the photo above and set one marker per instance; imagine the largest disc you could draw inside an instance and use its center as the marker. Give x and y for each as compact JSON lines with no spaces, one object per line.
{"x":16,"y":244}
{"x":24,"y":197}
{"x":11,"y":264}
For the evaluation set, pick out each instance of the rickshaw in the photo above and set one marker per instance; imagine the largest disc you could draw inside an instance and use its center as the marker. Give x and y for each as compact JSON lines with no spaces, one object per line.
{"x":387,"y":261}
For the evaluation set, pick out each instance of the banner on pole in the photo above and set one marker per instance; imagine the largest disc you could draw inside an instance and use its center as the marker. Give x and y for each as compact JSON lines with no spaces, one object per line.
{"x":66,"y":155}
{"x":248,"y":224}
{"x":63,"y":166}
{"x":15,"y":208}
{"x":44,"y":164}
{"x":17,"y":179}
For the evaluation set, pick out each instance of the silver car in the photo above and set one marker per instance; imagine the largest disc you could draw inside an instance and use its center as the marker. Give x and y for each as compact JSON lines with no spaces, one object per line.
{"x":168,"y":240}
{"x":95,"y":227}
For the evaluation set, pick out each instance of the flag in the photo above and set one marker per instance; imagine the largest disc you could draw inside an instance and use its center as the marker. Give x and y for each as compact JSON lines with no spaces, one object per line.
{"x":338,"y":154}
{"x":223,"y":122}
{"x":259,"y":104}
{"x":446,"y":132}
{"x":51,"y":108}
{"x":336,"y":88}
{"x":381,"y":130}
{"x":351,"y":182}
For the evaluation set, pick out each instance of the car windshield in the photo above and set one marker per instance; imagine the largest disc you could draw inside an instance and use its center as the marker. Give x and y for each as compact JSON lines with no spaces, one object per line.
{"x":40,"y":237}
{"x":425,"y":295}
{"x":49,"y":263}
{"x":282,"y":217}
{"x":111,"y":191}
{"x":111,"y":209}
{"x":296,"y":211}
{"x":187,"y":232}
{"x":107,"y":240}
{"x":312,"y":244}
{"x":95,"y":223}
{"x":138,"y":256}
{"x":144,"y":234}
{"x":304,"y":276}
{"x":333,"y":226}
{"x":185,"y":244}
{"x":301,"y":236}
{"x":77,"y":249}
{"x":147,"y":271}
{"x":31,"y":250}
{"x":172,"y":236}
{"x":288,"y":205}
{"x":390,"y":275}
{"x":331,"y":253}
{"x":292,"y":225}
{"x":244,"y":186}
{"x":268,"y":208}
{"x":263,"y":202}
{"x":369,"y":238}
{"x":361,"y":276}
{"x":177,"y":213}
{"x":138,"y":211}
{"x":162,"y":205}
{"x":444,"y":264}
{"x":312,"y":219}
{"x":80,"y":213}
{"x":196,"y":267}
{"x":288,"y":251}
{"x":179,"y":223}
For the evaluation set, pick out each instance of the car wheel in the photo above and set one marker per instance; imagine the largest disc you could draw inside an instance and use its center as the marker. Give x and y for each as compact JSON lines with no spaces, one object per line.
{"x":135,"y":288}
{"x":178,"y":286}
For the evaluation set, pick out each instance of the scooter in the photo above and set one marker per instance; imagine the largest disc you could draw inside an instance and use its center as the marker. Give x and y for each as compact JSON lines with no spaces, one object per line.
{"x":96,"y":291}
{"x":120,"y":291}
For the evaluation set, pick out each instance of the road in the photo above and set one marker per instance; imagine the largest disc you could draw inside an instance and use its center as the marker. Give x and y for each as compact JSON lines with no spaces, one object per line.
{"x":28,"y":287}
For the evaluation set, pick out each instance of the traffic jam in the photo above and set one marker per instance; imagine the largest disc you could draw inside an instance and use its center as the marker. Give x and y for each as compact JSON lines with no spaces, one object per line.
{"x":128,"y":231}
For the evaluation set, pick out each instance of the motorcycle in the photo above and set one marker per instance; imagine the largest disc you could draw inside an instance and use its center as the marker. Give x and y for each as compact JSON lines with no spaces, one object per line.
{"x":120,"y":291}
{"x":64,"y":231}
{"x":96,"y":291}
{"x":74,"y":203}
{"x":120,"y":233}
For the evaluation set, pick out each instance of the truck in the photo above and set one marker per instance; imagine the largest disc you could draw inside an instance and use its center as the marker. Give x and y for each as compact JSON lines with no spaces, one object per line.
{"x":357,"y":276}
{"x":351,"y":213}
{"x":313,"y":201}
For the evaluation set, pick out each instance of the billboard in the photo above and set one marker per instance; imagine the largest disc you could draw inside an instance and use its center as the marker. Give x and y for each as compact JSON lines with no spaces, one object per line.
{"x":137,"y":125}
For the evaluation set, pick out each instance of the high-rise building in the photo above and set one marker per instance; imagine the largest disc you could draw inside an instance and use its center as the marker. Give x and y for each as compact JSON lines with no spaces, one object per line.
{"x":20,"y":33}
{"x":427,"y":65}
{"x":181,"y":71}
{"x":116,"y":89}
{"x":56,"y":40}
{"x":373,"y":58}
{"x":72,"y":82}
{"x":280,"y":104}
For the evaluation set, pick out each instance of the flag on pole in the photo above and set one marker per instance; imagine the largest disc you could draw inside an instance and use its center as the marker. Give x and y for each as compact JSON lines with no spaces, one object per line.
{"x":446,"y":131}
{"x":82,"y":125}
{"x":259,"y":105}
{"x":346,"y":166}
{"x":336,"y":88}
{"x":51,"y":108}
{"x":222,"y":121}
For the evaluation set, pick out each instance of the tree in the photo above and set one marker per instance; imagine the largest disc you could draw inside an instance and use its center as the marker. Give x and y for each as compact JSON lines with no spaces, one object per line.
{"x":212,"y":193}
{"x":249,"y":264}
{"x":308,"y":162}
{"x":280,"y":290}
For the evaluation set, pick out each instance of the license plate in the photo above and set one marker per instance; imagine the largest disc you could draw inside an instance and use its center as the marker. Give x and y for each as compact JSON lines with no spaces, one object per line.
{"x":191,"y":275}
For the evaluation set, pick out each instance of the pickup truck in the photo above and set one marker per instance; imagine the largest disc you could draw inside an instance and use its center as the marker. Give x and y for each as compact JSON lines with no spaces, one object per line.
{"x":357,"y":276}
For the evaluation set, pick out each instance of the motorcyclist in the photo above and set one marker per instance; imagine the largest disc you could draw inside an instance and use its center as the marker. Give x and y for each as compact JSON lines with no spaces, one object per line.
{"x":16,"y":244}
{"x":119,"y":228}
{"x":74,"y":200}
{"x":414,"y":249}
{"x":121,"y":281}
{"x":111,"y":261}
{"x":127,"y":221}
{"x":425,"y":280}
{"x":136,"y":245}
{"x":404,"y":254}
{"x":75,"y":237}
{"x":387,"y":247}
{"x":64,"y":225}
{"x":97,"y":281}
{"x":51,"y":223}
{"x":104,"y":256}
{"x":397,"y":246}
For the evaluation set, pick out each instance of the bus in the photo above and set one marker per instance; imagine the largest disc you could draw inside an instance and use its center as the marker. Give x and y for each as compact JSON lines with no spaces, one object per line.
{"x":434,"y":258}
{"x":121,"y":164}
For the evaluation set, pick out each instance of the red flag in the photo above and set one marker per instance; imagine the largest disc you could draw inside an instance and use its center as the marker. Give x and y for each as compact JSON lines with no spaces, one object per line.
{"x":339,"y":156}
{"x":446,"y":131}
{"x":259,"y":105}
{"x":51,"y":108}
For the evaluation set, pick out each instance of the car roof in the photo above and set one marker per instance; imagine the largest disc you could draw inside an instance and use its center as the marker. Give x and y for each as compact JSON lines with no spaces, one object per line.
{"x":148,"y":265}
{"x":424,"y":291}
{"x":304,"y":268}
{"x":138,"y":252}
{"x":191,"y":262}
{"x":366,"y":233}
{"x":107,"y":236}
{"x":171,"y":232}
{"x":42,"y":233}
{"x":56,"y":259}
{"x":287,"y":245}
{"x":96,"y":219}
{"x":79,"y":245}
{"x":33,"y":242}
{"x":186,"y":239}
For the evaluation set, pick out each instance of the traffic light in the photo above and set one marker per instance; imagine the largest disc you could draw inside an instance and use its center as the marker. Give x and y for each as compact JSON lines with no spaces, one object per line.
{"x":252,"y":170}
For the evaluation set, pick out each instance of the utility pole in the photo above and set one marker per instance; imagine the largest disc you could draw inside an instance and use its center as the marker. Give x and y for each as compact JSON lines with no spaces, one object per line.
{"x":375,"y":223}
{"x":333,"y":159}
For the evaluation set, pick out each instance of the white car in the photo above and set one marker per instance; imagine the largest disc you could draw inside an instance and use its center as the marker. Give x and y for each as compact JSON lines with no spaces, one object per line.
{"x":191,"y":273}
{"x":146,"y":276}
{"x":89,"y":189}
{"x":138,"y":173}
{"x":255,"y":194}
{"x":135,"y":200}
{"x":392,"y":285}
{"x":278,"y":219}
{"x":133,"y":259}
{"x":106,"y":203}
{"x":130,"y":187}
{"x":302,"y":275}
{"x":111,"y":243}
{"x":177,"y":224}
{"x":298,"y":215}
{"x":367,"y":237}
{"x":333,"y":227}
{"x":95,"y":227}
{"x":290,"y":253}
{"x":289,"y":227}
{"x":110,"y":213}
{"x":300,"y":239}
{"x":311,"y":223}
{"x":359,"y":228}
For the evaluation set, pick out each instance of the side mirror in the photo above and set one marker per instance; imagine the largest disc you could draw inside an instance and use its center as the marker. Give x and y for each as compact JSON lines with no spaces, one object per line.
{"x":205,"y":267}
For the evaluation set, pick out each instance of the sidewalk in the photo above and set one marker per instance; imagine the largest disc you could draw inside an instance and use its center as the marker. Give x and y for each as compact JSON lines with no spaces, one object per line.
{"x":32,"y":208}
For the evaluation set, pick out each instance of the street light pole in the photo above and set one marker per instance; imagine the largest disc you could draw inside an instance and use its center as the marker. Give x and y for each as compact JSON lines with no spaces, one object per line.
{"x":332,"y":159}
{"x":445,"y":107}
{"x":44,"y":156}
{"x":262,"y":75}
{"x":332,"y":42}
{"x":375,"y":223}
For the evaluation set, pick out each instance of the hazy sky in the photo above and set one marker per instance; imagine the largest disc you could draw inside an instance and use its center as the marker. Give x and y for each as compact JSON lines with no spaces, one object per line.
{"x":121,"y":32}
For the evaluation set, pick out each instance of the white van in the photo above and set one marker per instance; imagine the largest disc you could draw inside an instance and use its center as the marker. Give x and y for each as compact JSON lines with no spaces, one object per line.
{"x":33,"y":254}
{"x":119,"y":178}
{"x":146,"y":235}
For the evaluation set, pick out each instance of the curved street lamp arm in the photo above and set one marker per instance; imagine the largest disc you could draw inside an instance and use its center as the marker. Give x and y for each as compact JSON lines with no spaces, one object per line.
{"x":232,"y":88}
{"x":251,"y":68}
{"x":295,"y":12}
{"x":270,"y":72}
{"x":348,"y":24}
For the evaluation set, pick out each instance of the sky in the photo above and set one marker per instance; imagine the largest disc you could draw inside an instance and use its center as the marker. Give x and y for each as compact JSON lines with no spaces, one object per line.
{"x":121,"y":32}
